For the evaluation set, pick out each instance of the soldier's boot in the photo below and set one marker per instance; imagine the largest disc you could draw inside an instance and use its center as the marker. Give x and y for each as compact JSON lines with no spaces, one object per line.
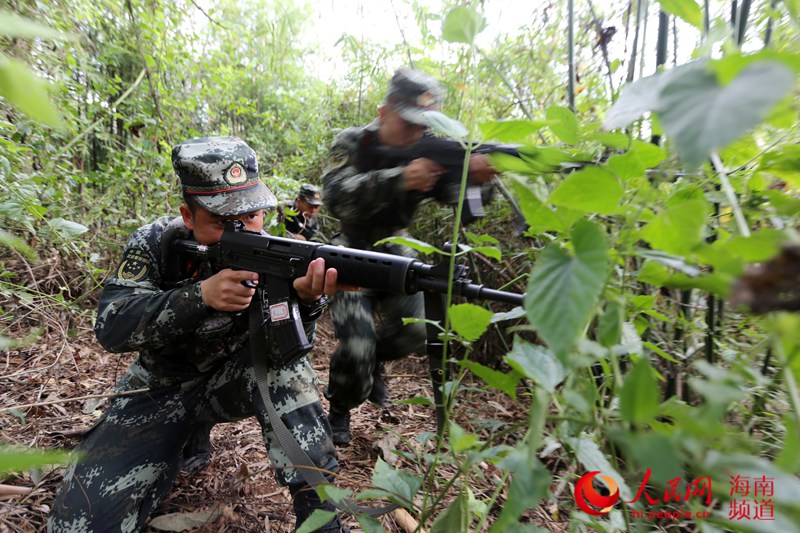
{"x":378,"y":393}
{"x":197,"y":451}
{"x":305,"y":501}
{"x":340,"y":427}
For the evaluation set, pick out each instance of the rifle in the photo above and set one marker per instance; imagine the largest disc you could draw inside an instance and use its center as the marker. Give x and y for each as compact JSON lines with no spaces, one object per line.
{"x":450,"y":154}
{"x":278,"y":261}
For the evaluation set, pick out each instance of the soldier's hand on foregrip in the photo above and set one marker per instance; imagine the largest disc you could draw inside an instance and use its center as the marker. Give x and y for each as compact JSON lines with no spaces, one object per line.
{"x":225,"y":291}
{"x":422,"y":174}
{"x":480,"y":171}
{"x":316,"y":282}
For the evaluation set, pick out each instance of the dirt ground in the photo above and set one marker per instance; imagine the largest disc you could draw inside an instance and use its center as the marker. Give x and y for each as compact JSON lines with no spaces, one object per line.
{"x":237,"y":490}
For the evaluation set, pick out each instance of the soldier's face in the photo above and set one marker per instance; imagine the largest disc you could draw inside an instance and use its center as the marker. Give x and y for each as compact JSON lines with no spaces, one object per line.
{"x":396,"y":131}
{"x":208,"y":227}
{"x":306,"y":208}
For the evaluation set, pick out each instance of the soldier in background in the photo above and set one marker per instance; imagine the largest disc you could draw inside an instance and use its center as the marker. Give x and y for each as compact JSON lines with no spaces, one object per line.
{"x":303,"y":225}
{"x":374,"y":198}
{"x":187,"y":324}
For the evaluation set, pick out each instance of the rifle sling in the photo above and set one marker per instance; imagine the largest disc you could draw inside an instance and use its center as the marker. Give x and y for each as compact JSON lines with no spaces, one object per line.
{"x":298,"y":457}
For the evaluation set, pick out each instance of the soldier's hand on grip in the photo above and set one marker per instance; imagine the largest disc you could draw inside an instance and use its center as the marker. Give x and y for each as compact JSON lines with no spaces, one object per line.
{"x":422,"y":174}
{"x":224,"y":290}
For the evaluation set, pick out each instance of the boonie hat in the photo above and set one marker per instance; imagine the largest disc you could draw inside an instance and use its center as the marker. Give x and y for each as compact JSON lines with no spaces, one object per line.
{"x":221,"y":173}
{"x":310,"y":193}
{"x":412,"y":93}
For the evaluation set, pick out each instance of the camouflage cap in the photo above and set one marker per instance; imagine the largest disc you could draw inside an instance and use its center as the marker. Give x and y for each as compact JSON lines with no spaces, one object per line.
{"x":221,"y":173}
{"x":311,"y":194}
{"x":412,"y":92}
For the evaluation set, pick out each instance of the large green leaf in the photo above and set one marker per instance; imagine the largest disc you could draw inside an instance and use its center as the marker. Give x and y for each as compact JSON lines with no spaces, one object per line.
{"x":395,"y":482}
{"x":462,"y":25}
{"x":687,"y":10}
{"x":563,"y":124}
{"x":701,"y":115}
{"x":678,"y":228}
{"x":634,"y":100}
{"x":505,"y":382}
{"x":456,"y":517}
{"x":536,"y":363}
{"x":638,"y":401}
{"x":539,"y":217}
{"x":511,"y":131}
{"x":529,"y":483}
{"x":469,"y":320}
{"x":591,"y":190}
{"x":27,"y":92}
{"x":563,"y":288}
{"x":19,"y":460}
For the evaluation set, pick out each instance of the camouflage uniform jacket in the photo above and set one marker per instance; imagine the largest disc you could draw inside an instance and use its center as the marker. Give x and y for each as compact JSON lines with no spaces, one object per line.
{"x":366,"y":191}
{"x":177,"y":336}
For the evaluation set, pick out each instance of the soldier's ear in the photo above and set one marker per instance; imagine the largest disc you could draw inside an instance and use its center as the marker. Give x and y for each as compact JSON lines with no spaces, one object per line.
{"x":186,"y":214}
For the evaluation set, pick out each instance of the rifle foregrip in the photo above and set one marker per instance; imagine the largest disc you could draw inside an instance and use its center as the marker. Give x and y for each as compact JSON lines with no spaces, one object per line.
{"x":370,"y":270}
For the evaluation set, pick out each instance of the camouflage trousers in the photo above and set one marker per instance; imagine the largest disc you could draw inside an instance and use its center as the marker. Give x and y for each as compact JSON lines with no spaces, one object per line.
{"x":130,"y":460}
{"x":362,"y":346}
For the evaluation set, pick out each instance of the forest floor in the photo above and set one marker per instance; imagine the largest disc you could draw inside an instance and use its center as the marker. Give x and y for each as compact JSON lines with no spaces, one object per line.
{"x":237,"y":490}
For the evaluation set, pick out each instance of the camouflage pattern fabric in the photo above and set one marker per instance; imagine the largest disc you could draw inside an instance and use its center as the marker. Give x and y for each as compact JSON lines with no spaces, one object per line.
{"x":371,"y":202}
{"x":221,"y":173}
{"x":196,"y":363}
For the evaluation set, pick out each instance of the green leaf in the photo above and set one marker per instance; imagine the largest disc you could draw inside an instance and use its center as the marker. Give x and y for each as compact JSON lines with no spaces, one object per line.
{"x":782,"y":203}
{"x":460,"y":440}
{"x":634,"y":100}
{"x":784,"y":164}
{"x":504,"y":382}
{"x":456,"y":517}
{"x":678,"y":228}
{"x":687,"y":10}
{"x":788,"y":459}
{"x":511,"y":131}
{"x":656,"y":452}
{"x":700,"y":115}
{"x":536,"y":363}
{"x":15,"y":243}
{"x":563,"y":124}
{"x":539,"y":217}
{"x":19,"y":460}
{"x":592,"y":458}
{"x":441,"y":124}
{"x":395,"y":482}
{"x":609,"y":328}
{"x":65,"y":228}
{"x":640,"y":394}
{"x":469,"y":320}
{"x":420,"y":246}
{"x":315,"y":522}
{"x":28,"y":93}
{"x":530,"y":482}
{"x":332,"y":492}
{"x":563,"y":288}
{"x":12,"y":25}
{"x":591,"y":190}
{"x":462,"y":25}
{"x":369,"y":524}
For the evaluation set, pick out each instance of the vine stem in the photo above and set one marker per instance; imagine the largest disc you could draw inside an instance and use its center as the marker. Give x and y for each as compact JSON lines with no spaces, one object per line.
{"x":731,"y":194}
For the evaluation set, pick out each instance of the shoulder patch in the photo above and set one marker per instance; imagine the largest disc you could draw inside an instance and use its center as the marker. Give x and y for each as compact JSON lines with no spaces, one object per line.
{"x":134,"y":267}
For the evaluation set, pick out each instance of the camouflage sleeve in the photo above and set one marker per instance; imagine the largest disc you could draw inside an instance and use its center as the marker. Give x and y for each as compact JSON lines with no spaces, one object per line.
{"x":353,"y":196}
{"x":134,"y":313}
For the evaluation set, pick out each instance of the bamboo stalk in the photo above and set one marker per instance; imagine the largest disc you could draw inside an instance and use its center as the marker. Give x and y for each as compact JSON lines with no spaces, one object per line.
{"x":571,"y":53}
